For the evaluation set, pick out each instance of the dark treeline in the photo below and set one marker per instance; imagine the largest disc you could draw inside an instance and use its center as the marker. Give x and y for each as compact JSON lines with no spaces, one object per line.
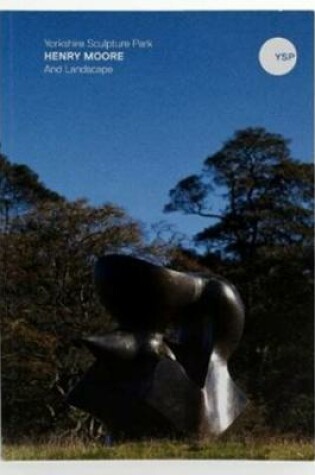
{"x":262,"y":241}
{"x":48,"y":249}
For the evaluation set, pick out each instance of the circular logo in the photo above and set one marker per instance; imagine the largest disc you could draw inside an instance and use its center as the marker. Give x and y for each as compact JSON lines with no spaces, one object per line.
{"x":278,"y":56}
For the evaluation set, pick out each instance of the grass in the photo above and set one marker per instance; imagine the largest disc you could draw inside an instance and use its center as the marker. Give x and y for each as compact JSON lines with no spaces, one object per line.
{"x":247,"y":449}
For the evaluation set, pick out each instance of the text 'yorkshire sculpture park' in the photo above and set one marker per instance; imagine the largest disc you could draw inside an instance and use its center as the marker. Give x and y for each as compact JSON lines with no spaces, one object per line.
{"x":164,"y":370}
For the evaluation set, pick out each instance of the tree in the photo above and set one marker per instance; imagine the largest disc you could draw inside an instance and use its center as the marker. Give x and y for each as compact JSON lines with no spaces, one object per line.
{"x":20,"y":188}
{"x":50,"y":302}
{"x":49,"y":246}
{"x":264,"y":236}
{"x":267,"y":195}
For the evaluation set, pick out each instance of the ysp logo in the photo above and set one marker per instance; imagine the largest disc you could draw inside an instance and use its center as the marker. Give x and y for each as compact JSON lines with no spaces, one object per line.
{"x":278,"y":56}
{"x":285,"y":56}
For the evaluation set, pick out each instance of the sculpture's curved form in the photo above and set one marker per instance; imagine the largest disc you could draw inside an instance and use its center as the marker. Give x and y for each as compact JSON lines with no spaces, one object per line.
{"x":148,"y":381}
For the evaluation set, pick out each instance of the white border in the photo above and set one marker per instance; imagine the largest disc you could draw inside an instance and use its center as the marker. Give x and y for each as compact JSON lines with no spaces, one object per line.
{"x":158,"y":5}
{"x":158,"y":467}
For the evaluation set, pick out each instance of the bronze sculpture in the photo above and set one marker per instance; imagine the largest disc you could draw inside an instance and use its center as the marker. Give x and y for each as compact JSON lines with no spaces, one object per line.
{"x":148,"y":381}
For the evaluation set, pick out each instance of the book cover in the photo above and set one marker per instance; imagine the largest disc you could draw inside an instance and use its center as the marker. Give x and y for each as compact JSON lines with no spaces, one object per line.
{"x":184,"y":138}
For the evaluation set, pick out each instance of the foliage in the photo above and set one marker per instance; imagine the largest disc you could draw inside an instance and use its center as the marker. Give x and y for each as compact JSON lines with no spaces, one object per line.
{"x":267,"y":194}
{"x":20,"y":188}
{"x":48,"y":250}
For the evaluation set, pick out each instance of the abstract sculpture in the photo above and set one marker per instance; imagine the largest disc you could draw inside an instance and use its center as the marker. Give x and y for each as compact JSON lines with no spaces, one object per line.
{"x":147,"y":381}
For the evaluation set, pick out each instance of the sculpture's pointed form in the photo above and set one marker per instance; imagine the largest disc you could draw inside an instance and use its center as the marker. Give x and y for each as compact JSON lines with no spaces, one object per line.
{"x":145,"y":382}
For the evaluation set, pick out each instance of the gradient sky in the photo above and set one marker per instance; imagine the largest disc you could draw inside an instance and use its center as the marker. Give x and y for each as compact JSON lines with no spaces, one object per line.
{"x":130,"y":136}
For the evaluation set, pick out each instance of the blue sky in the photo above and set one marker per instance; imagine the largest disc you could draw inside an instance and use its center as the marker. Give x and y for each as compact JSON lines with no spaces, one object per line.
{"x":130,"y":136}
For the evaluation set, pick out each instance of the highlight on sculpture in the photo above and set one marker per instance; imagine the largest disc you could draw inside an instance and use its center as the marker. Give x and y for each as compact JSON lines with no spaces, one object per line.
{"x":164,"y":370}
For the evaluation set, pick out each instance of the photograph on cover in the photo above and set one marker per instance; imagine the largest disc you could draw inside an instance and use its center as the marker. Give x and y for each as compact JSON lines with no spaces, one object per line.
{"x":156,"y":198}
